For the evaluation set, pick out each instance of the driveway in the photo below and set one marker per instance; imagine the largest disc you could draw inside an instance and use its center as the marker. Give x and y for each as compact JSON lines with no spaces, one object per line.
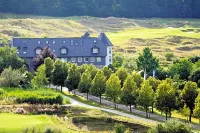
{"x":155,"y":117}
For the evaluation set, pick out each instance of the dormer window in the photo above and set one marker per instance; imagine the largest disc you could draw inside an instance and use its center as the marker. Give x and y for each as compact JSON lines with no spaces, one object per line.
{"x":47,"y":42}
{"x":39,"y":42}
{"x":95,"y":41}
{"x":72,"y":42}
{"x":24,"y":50}
{"x":63,"y":50}
{"x":64,"y":42}
{"x":38,"y":51}
{"x":54,"y":42}
{"x":95,"y":50}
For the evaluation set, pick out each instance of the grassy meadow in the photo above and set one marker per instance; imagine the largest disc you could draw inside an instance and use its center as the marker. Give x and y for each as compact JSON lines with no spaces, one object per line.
{"x":180,"y":36}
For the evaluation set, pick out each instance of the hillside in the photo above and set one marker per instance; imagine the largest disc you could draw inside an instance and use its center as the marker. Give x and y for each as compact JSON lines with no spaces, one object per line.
{"x":180,"y":36}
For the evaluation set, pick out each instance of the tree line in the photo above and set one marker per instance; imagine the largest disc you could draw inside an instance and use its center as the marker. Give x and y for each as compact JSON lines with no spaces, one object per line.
{"x":177,"y":91}
{"x":105,"y":8}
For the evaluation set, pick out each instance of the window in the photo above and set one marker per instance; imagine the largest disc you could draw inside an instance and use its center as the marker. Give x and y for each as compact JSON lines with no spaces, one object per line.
{"x":95,"y":50}
{"x":79,"y":59}
{"x":64,"y":41}
{"x":92,"y":59}
{"x":98,"y":59}
{"x":24,"y":50}
{"x":110,"y":59}
{"x":110,"y":50}
{"x":54,"y":42}
{"x":72,"y":42}
{"x":73,"y":59}
{"x":64,"y":59}
{"x":95,"y":41}
{"x":37,"y":51}
{"x":38,"y":42}
{"x":47,"y":42}
{"x":24,"y":41}
{"x":86,"y":59}
{"x":81,"y":42}
{"x":63,"y":51}
{"x":18,"y":49}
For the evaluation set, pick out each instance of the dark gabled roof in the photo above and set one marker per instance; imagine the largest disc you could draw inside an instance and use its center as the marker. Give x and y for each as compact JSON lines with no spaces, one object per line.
{"x":105,"y":39}
{"x":86,"y":35}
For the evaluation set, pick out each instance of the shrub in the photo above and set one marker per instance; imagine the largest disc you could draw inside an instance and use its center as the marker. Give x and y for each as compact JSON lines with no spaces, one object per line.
{"x":11,"y":77}
{"x":34,"y":96}
{"x":171,"y":126}
{"x":119,"y":128}
{"x":50,"y":130}
{"x":169,"y":56}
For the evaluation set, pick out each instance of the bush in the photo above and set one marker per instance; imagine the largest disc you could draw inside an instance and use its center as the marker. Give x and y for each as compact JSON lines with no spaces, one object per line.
{"x":11,"y":78}
{"x":171,"y":126}
{"x":169,"y":56}
{"x":119,"y":128}
{"x":34,"y":96}
{"x":50,"y":130}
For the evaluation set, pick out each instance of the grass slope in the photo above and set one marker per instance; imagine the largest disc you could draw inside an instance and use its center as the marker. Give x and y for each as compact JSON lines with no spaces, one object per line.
{"x":180,"y":36}
{"x":12,"y":123}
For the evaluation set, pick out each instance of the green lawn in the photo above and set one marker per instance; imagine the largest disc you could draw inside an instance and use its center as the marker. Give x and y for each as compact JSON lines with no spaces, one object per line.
{"x":13,"y":123}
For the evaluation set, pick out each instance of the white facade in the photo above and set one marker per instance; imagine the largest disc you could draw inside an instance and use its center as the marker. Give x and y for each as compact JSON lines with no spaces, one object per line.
{"x":109,"y":57}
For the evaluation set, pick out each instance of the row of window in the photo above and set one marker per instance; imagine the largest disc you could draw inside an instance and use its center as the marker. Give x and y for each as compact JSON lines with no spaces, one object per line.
{"x":62,"y":51}
{"x":71,"y":42}
{"x":81,"y":59}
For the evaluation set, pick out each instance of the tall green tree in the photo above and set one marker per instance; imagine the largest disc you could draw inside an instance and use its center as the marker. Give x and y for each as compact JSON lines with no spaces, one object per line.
{"x":85,"y":83}
{"x":73,"y":77}
{"x":93,"y":70}
{"x":40,"y":79}
{"x":137,"y":79}
{"x":197,"y":108}
{"x":122,"y":74}
{"x":145,"y":97}
{"x":188,"y":96}
{"x":147,"y":62}
{"x":154,"y":83}
{"x":98,"y":85}
{"x":129,"y":92}
{"x":113,"y":88}
{"x":165,"y":98}
{"x":107,"y":72}
{"x":10,"y":58}
{"x":60,"y":73}
{"x":182,"y":67}
{"x":49,"y":64}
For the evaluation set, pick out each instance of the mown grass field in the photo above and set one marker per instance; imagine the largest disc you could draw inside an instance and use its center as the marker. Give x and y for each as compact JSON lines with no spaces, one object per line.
{"x":180,"y":36}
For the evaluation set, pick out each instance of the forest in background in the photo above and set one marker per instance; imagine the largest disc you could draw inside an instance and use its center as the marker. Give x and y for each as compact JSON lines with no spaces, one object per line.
{"x":105,"y":8}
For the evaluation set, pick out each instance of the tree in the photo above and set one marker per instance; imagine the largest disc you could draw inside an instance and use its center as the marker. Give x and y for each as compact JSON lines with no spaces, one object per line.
{"x":85,"y":83}
{"x":93,"y":70}
{"x":195,"y":77}
{"x":107,"y":72}
{"x":60,"y":73}
{"x":171,"y":126}
{"x":185,"y":111}
{"x":147,"y":62}
{"x":154,"y":83}
{"x":98,"y":85}
{"x":122,"y":74}
{"x":11,"y":77}
{"x":182,"y":68}
{"x":118,"y":60}
{"x":145,"y":97}
{"x":188,"y":96}
{"x":45,"y":53}
{"x":10,"y":58}
{"x":137,"y":79}
{"x":197,"y":108}
{"x":40,"y":79}
{"x":49,"y":64}
{"x":165,"y":98}
{"x":73,"y":77}
{"x":129,"y":92}
{"x":113,"y":88}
